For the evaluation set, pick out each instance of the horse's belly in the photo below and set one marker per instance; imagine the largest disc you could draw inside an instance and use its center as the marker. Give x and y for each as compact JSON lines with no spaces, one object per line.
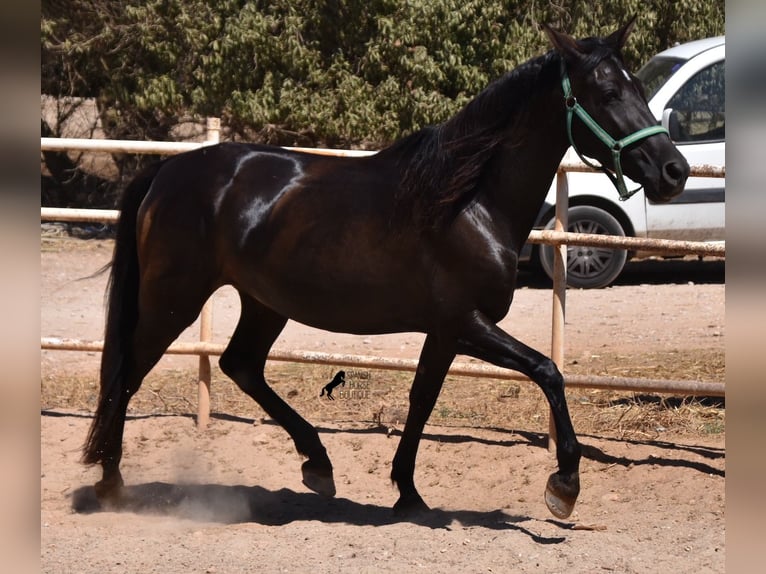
{"x":359,"y":311}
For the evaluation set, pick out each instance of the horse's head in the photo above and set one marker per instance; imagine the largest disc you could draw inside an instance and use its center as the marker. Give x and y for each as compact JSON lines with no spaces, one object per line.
{"x":608,"y":117}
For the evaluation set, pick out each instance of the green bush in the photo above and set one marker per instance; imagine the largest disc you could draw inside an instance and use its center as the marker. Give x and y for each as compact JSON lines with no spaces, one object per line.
{"x":332,"y":73}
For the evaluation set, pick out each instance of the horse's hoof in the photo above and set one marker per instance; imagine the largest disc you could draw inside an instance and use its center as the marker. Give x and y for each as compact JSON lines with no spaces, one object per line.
{"x":109,"y":493}
{"x":561,"y":494}
{"x":320,"y":481}
{"x":410,"y":506}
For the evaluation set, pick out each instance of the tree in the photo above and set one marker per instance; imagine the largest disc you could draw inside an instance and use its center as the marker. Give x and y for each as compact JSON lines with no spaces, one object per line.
{"x":333,"y":73}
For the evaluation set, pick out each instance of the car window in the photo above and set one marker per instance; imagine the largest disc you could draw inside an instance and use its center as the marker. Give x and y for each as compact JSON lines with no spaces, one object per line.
{"x":656,"y":73}
{"x":699,"y":107}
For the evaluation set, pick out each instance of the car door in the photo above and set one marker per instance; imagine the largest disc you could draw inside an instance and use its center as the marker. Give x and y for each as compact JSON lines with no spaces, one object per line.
{"x":695,"y":116}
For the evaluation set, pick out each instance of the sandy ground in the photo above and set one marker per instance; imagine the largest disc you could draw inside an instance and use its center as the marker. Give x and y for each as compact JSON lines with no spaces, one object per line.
{"x":230,"y":499}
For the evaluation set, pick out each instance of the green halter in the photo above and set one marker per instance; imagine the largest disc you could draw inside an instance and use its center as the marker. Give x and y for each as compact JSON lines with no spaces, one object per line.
{"x":574,"y":108}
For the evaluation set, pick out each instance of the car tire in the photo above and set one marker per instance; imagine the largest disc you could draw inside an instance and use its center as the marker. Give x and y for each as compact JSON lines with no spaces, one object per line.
{"x":588,"y":267}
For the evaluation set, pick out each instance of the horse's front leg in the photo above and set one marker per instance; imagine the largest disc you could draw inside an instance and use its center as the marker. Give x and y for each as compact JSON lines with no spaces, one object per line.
{"x":435,"y":360}
{"x":486,"y":341}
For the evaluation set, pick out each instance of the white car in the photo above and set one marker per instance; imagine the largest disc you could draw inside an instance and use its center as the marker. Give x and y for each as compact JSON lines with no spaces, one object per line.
{"x":686,"y":92}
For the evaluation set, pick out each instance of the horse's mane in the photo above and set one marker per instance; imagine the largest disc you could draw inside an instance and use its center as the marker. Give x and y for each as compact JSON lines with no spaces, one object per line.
{"x":441,"y":165}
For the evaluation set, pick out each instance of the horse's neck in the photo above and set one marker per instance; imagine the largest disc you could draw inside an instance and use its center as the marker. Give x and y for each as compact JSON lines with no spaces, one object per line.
{"x":523,"y":167}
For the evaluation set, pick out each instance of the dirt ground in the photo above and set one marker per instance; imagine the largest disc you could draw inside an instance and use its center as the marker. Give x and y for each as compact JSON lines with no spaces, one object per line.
{"x":230,"y":499}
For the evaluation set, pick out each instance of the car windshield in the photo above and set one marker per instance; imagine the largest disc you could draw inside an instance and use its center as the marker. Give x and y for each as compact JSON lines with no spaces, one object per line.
{"x":656,"y":72}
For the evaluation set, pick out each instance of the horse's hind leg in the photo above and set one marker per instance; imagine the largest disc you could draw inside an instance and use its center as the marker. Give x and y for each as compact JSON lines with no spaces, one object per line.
{"x":244,"y":360}
{"x":164,"y":311}
{"x":435,"y":360}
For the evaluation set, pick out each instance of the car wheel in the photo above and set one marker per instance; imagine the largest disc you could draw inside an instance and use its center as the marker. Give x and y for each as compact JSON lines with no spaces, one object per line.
{"x":588,"y":267}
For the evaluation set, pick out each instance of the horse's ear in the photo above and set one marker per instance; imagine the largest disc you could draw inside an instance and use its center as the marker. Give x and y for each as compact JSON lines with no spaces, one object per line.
{"x":563,"y":43}
{"x":620,"y":37}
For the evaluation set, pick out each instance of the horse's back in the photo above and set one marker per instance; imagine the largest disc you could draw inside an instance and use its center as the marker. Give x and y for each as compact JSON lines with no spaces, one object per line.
{"x":234,"y":191}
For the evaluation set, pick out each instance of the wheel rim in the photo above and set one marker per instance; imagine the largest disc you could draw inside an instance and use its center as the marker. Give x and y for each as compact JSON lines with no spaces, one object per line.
{"x":585,"y":262}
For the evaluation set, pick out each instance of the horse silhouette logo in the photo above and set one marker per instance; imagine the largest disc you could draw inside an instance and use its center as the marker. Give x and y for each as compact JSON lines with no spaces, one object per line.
{"x":338,"y":379}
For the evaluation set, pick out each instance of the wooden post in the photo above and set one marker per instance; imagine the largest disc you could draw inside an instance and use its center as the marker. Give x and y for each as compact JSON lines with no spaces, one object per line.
{"x":559,"y":288}
{"x":212,"y":135}
{"x":205,"y":370}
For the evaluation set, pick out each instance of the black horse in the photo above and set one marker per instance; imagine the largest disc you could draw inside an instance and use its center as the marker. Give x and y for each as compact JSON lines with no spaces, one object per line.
{"x":338,"y":379}
{"x":423,"y":236}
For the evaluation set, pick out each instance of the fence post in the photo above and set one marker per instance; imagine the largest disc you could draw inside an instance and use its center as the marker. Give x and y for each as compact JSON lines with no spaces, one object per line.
{"x":559,"y":287}
{"x":212,"y":135}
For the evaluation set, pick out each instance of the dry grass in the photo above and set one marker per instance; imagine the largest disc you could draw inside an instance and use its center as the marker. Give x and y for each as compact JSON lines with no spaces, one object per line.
{"x":381,"y":397}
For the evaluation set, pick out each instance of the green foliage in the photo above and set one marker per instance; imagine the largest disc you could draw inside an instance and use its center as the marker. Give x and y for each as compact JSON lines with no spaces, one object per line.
{"x":338,"y":73}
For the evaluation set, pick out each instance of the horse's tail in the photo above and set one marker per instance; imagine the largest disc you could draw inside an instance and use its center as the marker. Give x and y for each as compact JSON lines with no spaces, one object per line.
{"x":121,"y":316}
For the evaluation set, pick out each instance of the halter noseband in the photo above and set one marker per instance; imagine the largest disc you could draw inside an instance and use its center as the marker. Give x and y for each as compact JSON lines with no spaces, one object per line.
{"x":574,"y":108}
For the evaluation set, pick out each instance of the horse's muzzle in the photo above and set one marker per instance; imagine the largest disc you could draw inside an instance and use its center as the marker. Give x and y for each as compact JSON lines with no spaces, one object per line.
{"x":673,"y":176}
